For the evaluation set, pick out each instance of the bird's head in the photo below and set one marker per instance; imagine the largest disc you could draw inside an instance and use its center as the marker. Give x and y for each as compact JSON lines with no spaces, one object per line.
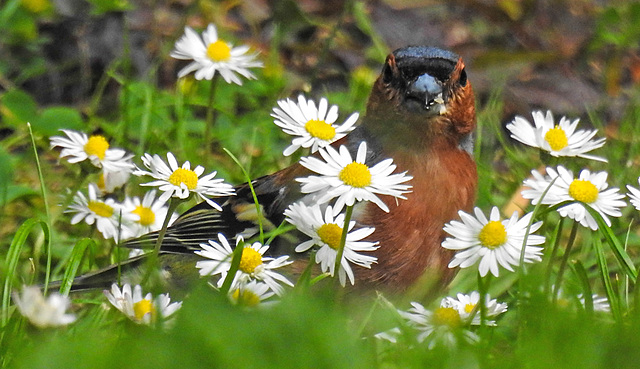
{"x":425,"y":91}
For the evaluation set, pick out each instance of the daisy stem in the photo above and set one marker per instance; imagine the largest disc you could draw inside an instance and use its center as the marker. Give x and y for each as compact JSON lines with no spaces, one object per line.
{"x":554,"y":251}
{"x":483,"y":287}
{"x":173,"y":204}
{"x":211,"y":112}
{"x":154,"y":256}
{"x":343,"y":239}
{"x":565,"y":259}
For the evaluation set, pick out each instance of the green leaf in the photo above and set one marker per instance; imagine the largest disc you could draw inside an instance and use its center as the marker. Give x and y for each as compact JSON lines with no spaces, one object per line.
{"x":11,"y":193}
{"x":17,"y":107}
{"x":53,"y":119}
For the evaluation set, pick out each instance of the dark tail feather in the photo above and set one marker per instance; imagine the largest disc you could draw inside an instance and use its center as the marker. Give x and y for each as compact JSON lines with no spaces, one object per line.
{"x":103,"y":278}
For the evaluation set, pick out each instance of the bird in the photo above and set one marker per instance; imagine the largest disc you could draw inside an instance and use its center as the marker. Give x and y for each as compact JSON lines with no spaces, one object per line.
{"x":420,"y":113}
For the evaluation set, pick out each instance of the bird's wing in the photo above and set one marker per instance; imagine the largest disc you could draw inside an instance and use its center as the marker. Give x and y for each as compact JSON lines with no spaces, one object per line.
{"x":202,"y":223}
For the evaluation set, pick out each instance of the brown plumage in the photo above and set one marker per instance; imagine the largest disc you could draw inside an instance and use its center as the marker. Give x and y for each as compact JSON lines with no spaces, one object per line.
{"x":420,"y":113}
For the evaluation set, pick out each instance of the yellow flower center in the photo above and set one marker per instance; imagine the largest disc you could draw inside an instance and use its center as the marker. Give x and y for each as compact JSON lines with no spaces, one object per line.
{"x":468,"y":308}
{"x":219,"y":51}
{"x":251,"y":259}
{"x":245,"y":298}
{"x":147,"y":216}
{"x":320,"y":129}
{"x":556,"y":138}
{"x":142,"y":308}
{"x":583,"y":190}
{"x":186,"y":176}
{"x":493,"y":234}
{"x":96,"y":145}
{"x":100,"y":208}
{"x":447,"y":316}
{"x":330,"y":234}
{"x":355,"y":175}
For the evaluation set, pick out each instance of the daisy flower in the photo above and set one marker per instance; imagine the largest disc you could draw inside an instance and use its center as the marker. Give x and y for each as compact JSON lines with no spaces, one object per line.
{"x":138,"y":308}
{"x":314,"y":126}
{"x":438,"y":327}
{"x":110,"y":181}
{"x":41,"y":312}
{"x":560,"y":139}
{"x":78,"y":147}
{"x":634,"y":196}
{"x":326,"y":232}
{"x":211,"y":54}
{"x":466,"y":304}
{"x":148,"y":214}
{"x":251,"y":294}
{"x":589,"y":189}
{"x":352,"y":180}
{"x":108,"y":215}
{"x":492,"y":241}
{"x":253,"y":264}
{"x":180,"y":182}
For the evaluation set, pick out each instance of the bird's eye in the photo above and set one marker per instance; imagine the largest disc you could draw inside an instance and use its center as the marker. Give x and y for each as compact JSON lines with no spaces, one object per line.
{"x":387,"y":74}
{"x":463,"y":78}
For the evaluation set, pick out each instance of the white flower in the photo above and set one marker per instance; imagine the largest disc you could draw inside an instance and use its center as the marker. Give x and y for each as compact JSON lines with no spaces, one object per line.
{"x":560,"y":139}
{"x":138,"y":308}
{"x":79,"y":147}
{"x":466,"y":304}
{"x":634,"y":196}
{"x":439,"y":326}
{"x":589,"y":189}
{"x":148,"y":214}
{"x":108,"y":215}
{"x":326,"y":232}
{"x":352,"y":180}
{"x":211,"y":54}
{"x":253,"y":264}
{"x":251,"y":294}
{"x":41,"y":312}
{"x":110,"y":181}
{"x":491,"y":241}
{"x":314,"y":126}
{"x":179,"y":181}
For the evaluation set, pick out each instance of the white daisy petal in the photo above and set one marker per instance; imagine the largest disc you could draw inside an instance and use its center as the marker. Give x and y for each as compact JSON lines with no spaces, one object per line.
{"x":559,"y":140}
{"x":350,"y":180}
{"x":325,"y":232}
{"x":491,"y":242}
{"x":253,"y":265}
{"x":588,"y":190}
{"x":180,"y":182}
{"x":210,"y":54}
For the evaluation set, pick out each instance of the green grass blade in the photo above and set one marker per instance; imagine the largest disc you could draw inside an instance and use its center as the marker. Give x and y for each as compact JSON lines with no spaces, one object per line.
{"x":618,"y":249}
{"x":43,"y":191}
{"x":606,"y":280}
{"x":74,"y":263}
{"x":11,"y":262}
{"x":253,"y":193}
{"x":581,"y":273}
{"x":233,"y":269}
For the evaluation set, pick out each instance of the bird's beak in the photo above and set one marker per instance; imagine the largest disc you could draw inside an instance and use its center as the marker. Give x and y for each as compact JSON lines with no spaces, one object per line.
{"x":427,"y":90}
